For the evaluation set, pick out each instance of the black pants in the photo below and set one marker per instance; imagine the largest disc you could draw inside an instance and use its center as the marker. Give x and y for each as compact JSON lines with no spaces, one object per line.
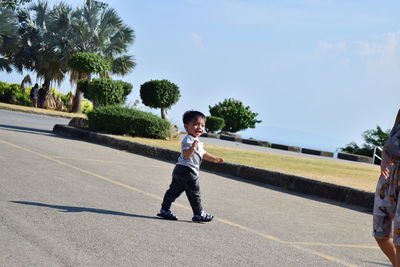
{"x":183,"y":179}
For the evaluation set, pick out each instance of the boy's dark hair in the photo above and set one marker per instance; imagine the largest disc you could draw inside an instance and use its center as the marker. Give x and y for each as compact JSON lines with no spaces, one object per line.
{"x":191,"y":114}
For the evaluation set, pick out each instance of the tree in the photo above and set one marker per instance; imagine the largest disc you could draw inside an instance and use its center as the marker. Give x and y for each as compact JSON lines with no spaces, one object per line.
{"x":372,"y":138}
{"x":8,"y":38}
{"x":99,"y":29}
{"x":160,"y":94}
{"x":44,"y":42}
{"x":214,"y":124}
{"x":237,"y":116}
{"x":50,"y":36}
{"x":84,"y":64}
{"x":13,"y":4}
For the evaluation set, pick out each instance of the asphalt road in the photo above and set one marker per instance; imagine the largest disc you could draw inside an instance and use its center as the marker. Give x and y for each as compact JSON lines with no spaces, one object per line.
{"x":65,"y":202}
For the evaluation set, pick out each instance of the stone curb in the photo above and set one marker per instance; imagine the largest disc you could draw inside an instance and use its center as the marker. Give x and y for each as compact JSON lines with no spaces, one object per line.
{"x":353,"y":157}
{"x":290,"y":182}
{"x":286,"y":147}
{"x":317,"y":152}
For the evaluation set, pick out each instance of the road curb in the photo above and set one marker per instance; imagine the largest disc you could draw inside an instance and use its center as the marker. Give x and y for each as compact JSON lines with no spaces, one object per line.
{"x":294,"y":183}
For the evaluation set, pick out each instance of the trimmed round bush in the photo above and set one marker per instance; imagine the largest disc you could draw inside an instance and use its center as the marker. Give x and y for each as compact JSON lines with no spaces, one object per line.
{"x":160,"y":94}
{"x":84,"y":62}
{"x":105,"y":91}
{"x":214,"y":124}
{"x":120,"y":120}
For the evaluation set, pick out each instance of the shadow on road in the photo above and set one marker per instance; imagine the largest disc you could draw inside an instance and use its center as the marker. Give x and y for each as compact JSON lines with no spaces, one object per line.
{"x":25,"y":129}
{"x":378,"y":263}
{"x":84,"y":209}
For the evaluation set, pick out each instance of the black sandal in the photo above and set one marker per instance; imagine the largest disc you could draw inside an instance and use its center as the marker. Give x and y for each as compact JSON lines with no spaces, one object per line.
{"x":204,"y":217}
{"x":168,"y":215}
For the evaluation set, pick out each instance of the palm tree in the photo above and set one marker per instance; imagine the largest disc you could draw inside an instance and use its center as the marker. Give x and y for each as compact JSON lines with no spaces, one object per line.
{"x":13,"y":4}
{"x":42,"y":49}
{"x":100,"y":30}
{"x":8,"y":38}
{"x":48,"y":37}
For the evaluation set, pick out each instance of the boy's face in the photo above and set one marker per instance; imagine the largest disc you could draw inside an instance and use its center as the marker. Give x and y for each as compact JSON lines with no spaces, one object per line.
{"x":196,"y":126}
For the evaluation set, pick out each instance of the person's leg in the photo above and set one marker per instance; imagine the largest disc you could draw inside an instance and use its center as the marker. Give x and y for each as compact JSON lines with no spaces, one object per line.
{"x":383,"y":214}
{"x":192,"y":190}
{"x":174,"y":191}
{"x":388,"y":248}
{"x":396,"y":224}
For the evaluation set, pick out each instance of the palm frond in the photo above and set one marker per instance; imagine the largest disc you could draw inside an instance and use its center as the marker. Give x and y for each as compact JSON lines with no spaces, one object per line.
{"x":25,"y":80}
{"x":5,"y":65}
{"x":123,"y":65}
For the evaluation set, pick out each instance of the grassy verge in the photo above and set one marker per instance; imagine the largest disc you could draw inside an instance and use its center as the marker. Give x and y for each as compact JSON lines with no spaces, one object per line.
{"x":49,"y":112}
{"x":358,"y":176}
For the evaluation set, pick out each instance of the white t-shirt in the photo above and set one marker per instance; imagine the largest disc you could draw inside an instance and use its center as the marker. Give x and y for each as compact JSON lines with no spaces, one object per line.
{"x":195,"y":159}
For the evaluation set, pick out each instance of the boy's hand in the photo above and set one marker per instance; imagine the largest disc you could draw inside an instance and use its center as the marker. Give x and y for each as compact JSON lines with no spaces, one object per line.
{"x":219,"y":160}
{"x":195,"y":143}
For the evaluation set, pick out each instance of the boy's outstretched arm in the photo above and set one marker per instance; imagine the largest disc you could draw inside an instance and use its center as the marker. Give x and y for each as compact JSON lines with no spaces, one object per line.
{"x":212,"y":158}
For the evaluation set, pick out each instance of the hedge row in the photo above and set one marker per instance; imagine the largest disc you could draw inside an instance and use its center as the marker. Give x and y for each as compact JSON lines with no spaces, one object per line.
{"x":120,"y":120}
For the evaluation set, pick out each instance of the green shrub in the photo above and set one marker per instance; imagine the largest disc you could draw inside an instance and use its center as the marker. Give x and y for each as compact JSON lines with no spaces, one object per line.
{"x":121,"y":120}
{"x":104,"y":91}
{"x":127,"y":87}
{"x":237,"y":116}
{"x":65,"y":97}
{"x":11,"y":93}
{"x":86,"y":106}
{"x":214,"y":124}
{"x":23,"y":99}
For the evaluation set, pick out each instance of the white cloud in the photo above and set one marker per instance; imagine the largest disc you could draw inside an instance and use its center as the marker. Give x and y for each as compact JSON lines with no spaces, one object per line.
{"x":385,"y":51}
{"x":197,"y":40}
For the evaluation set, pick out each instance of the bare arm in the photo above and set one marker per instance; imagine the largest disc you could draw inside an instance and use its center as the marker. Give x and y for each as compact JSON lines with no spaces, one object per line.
{"x":212,"y":158}
{"x":188,"y":152}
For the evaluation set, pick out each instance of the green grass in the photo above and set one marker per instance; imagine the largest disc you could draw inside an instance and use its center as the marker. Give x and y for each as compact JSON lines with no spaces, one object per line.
{"x":358,"y":176}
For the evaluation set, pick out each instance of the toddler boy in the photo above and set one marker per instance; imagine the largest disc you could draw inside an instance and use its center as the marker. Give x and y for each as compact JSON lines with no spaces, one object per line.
{"x":185,"y":177}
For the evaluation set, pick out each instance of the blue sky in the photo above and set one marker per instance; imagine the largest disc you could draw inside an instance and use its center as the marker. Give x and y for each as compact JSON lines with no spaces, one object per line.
{"x":318,"y":72}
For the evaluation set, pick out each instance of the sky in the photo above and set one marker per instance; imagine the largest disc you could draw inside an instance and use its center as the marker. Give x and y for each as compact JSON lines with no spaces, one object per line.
{"x":317,"y":72}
